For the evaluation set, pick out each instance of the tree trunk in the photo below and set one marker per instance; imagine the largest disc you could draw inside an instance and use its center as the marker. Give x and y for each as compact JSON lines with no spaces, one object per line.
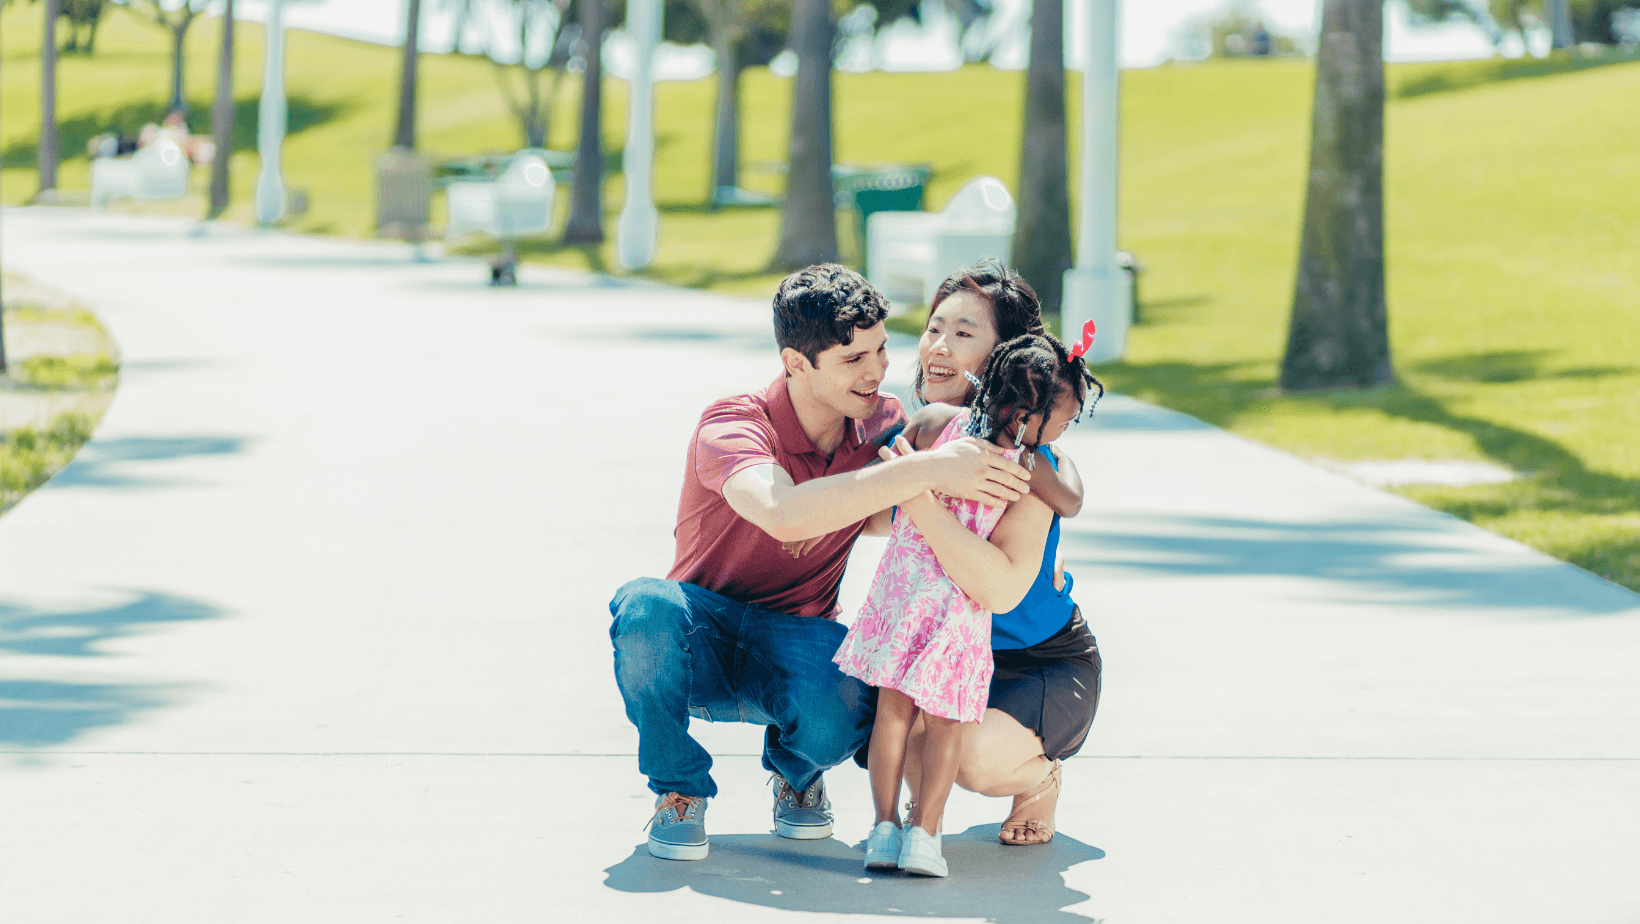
{"x":222,"y":118}
{"x":1339,"y":335}
{"x":405,"y":135}
{"x":586,"y":206}
{"x":1558,"y":15}
{"x":91,"y":35}
{"x":1042,"y":233}
{"x":178,"y":33}
{"x":726,"y":136}
{"x":47,"y":154}
{"x":808,"y":232}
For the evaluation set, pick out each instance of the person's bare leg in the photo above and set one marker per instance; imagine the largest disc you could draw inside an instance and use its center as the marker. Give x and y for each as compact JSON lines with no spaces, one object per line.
{"x":887,"y":759}
{"x":941,"y":752}
{"x":913,"y":757}
{"x":1004,"y":758}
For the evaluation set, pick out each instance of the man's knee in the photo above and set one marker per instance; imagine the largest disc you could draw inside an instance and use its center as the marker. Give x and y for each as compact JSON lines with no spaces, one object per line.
{"x":650,"y":619}
{"x":835,"y":709}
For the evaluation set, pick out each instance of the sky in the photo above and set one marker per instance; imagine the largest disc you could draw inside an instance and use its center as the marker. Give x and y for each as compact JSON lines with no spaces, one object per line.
{"x":1148,"y":33}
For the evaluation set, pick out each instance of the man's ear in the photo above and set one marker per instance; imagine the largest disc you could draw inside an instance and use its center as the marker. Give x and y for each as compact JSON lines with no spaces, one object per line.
{"x":796,"y":363}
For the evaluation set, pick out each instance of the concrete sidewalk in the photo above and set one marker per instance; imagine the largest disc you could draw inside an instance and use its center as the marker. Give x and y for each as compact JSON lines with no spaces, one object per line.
{"x":315,"y":630}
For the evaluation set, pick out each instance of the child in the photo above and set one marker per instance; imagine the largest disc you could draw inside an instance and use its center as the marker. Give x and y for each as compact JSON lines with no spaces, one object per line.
{"x":923,"y":636}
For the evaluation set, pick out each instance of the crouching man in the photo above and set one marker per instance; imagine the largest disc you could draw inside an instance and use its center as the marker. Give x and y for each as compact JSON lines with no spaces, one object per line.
{"x":775,"y":491}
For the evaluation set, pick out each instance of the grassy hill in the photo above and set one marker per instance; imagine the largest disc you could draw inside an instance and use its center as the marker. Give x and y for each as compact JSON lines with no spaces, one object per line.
{"x":1513,"y":220}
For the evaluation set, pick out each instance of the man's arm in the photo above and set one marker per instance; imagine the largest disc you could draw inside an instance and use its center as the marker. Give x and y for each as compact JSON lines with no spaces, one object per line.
{"x":766,"y":496}
{"x":1060,"y":489}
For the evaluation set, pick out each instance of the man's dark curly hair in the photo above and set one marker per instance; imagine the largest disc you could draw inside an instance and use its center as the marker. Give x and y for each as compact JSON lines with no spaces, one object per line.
{"x":822,"y":306}
{"x":1027,"y":375}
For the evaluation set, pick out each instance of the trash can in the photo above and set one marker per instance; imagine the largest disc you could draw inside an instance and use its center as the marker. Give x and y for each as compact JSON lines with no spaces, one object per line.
{"x":404,"y":193}
{"x":1131,"y":268}
{"x":887,"y":189}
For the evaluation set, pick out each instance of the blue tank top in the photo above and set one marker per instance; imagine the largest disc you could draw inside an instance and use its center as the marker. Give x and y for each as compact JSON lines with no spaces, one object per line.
{"x":1045,"y":609}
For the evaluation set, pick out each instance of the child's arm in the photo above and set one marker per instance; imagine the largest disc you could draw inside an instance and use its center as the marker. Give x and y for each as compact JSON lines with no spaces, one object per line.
{"x":997,"y":572}
{"x":1062,"y":489}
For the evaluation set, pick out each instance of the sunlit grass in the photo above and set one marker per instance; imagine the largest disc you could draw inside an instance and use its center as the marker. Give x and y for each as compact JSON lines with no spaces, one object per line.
{"x":1514,"y":286}
{"x":28,"y":457}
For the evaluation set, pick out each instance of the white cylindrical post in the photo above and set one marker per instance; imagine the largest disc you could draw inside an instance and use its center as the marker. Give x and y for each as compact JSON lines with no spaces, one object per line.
{"x":636,"y":232}
{"x":1096,"y":289}
{"x":270,"y":126}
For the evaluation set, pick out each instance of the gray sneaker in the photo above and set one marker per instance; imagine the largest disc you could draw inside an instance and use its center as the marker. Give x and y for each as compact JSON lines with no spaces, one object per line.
{"x":802,"y":815}
{"x":678,"y":829}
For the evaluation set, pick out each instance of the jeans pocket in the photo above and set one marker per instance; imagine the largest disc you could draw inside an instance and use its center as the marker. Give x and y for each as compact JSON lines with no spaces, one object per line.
{"x":705,"y":674}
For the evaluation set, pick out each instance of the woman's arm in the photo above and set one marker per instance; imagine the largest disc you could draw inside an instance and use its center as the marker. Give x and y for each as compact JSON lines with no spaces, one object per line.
{"x":997,"y":572}
{"x":1061,"y":489}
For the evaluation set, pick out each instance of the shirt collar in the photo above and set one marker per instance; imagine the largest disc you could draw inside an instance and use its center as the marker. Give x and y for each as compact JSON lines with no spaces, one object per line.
{"x":790,"y":430}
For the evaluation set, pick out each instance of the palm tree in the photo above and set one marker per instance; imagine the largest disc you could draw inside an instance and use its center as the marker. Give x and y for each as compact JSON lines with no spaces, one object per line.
{"x":82,"y":16}
{"x":741,"y":34}
{"x":176,"y":22}
{"x":405,"y":134}
{"x":47,"y":155}
{"x":222,"y":118}
{"x":725,"y":26}
{"x":586,"y":205}
{"x":530,"y":84}
{"x":808,"y":219}
{"x":1339,"y":335}
{"x":1042,"y":235}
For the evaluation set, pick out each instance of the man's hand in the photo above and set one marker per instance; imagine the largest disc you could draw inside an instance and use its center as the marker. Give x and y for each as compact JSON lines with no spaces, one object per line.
{"x":973,"y":469}
{"x":800,"y":547}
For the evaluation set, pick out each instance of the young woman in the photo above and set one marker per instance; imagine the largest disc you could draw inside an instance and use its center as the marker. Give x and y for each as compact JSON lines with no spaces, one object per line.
{"x":1044,"y":691}
{"x":923,"y":638}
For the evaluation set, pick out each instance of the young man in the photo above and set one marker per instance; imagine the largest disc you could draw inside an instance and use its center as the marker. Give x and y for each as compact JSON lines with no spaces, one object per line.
{"x":775,"y":492}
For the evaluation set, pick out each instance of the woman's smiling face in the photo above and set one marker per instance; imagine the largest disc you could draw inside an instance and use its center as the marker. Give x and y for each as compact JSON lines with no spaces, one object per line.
{"x":960,"y":336}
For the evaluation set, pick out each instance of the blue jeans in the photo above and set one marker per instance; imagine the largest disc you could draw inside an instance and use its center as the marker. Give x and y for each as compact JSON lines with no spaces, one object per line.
{"x":683,"y":651}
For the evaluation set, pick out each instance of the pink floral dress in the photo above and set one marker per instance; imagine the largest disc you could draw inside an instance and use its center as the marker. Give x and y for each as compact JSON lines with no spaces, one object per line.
{"x":918,"y":632}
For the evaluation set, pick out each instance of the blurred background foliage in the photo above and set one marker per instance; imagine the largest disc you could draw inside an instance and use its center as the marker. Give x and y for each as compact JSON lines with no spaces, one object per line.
{"x":1514,"y":284}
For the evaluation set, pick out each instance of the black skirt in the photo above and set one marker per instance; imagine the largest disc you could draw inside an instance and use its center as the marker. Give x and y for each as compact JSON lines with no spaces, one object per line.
{"x":1052,"y":687}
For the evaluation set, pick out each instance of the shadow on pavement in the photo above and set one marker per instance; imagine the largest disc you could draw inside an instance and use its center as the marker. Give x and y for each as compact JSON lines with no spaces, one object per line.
{"x":45,"y":713}
{"x":41,"y":713}
{"x":98,"y":463}
{"x":1004,"y":885}
{"x":1368,"y":557}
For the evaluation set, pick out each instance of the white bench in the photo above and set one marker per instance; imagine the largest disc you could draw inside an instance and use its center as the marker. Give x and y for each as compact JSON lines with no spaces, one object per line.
{"x":517,"y":202}
{"x":158,"y":171}
{"x":908,"y":254}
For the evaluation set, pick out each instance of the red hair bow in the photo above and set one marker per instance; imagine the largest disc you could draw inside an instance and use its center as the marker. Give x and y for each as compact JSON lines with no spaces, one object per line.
{"x":1081,"y":349}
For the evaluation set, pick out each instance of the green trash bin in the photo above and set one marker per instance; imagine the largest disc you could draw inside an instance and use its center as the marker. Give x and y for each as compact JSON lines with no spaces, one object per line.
{"x":871,"y":190}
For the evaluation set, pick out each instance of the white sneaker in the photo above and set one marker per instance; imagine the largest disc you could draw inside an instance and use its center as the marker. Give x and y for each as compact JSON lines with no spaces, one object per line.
{"x":920,"y":853}
{"x":883,"y":846}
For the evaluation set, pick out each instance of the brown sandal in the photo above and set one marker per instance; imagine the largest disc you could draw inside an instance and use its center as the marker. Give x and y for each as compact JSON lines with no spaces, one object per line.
{"x":1020,"y":827}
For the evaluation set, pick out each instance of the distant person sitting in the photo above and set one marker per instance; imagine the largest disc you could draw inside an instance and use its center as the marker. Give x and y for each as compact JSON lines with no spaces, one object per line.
{"x":199,"y":150}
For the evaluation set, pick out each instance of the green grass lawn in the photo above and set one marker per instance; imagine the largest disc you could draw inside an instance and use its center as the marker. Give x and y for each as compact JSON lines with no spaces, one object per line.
{"x":1513,"y":217}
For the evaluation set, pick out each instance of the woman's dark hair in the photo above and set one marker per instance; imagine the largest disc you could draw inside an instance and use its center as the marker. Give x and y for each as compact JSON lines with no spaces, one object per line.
{"x":821,"y":306}
{"x":1013,"y":302}
{"x":1027,"y":375}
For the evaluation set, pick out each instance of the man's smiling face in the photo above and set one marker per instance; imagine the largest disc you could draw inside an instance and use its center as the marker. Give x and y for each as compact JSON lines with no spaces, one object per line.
{"x":847,"y":375}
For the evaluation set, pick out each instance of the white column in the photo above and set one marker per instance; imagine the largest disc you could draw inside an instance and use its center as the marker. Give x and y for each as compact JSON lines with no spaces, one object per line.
{"x":635,"y":234}
{"x":270,"y":130}
{"x":1096,"y":288}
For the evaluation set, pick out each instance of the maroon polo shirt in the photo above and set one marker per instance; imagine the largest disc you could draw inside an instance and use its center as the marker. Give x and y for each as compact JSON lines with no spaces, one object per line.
{"x":721,"y":551}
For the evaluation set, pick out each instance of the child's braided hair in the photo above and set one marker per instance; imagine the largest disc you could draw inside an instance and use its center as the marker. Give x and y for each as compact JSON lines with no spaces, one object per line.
{"x":1026,"y":375}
